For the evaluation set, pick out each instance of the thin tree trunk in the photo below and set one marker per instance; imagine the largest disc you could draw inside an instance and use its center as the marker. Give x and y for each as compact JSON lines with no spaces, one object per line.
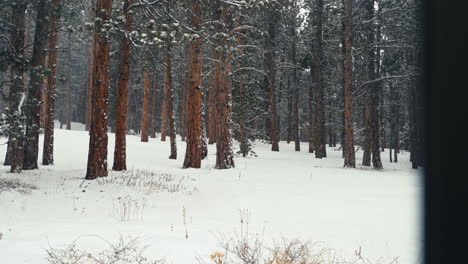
{"x":48,"y":148}
{"x":311,"y":119}
{"x":185,"y":94}
{"x":271,"y":72}
{"x":68,"y":112}
{"x":212,"y":110}
{"x":289,"y":115}
{"x":350,"y":160}
{"x":97,"y":156}
{"x":31,"y":143}
{"x":243,"y":133}
{"x":224,"y":155}
{"x":394,"y":121}
{"x":372,"y":140}
{"x":164,"y":113}
{"x":146,"y":107}
{"x":154,"y":102}
{"x":169,"y":96}
{"x":120,"y":149}
{"x":91,"y":80}
{"x":90,"y":87}
{"x":319,"y":115}
{"x":194,"y":128}
{"x":44,"y":89}
{"x":297,"y":139}
{"x":17,"y":92}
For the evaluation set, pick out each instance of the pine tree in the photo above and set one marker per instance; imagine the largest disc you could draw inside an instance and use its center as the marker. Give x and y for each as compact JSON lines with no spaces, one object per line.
{"x":224,"y":155}
{"x":169,"y":96}
{"x":120,"y":150}
{"x":33,"y":103}
{"x":318,"y":97}
{"x":194,"y":107}
{"x":17,"y":89}
{"x":146,"y":105}
{"x":48,"y":149}
{"x":350,"y":160}
{"x":97,"y":155}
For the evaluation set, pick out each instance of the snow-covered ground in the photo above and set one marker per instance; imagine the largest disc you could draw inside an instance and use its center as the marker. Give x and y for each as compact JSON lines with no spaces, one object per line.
{"x":284,"y":194}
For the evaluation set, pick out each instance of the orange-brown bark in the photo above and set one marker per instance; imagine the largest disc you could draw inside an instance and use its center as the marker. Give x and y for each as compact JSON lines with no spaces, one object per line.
{"x":49,"y":103}
{"x":97,"y":156}
{"x":194,"y":128}
{"x":120,"y":150}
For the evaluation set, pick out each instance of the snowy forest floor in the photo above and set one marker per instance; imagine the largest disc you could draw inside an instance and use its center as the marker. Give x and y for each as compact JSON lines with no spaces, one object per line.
{"x":284,"y":194}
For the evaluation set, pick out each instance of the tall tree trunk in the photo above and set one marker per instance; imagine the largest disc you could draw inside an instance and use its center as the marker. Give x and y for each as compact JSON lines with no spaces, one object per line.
{"x":146,"y":106}
{"x":185,"y":94}
{"x":350,"y":160}
{"x":212,"y":110}
{"x":89,"y":91}
{"x":48,"y":148}
{"x":224,"y":155}
{"x":68,"y":109}
{"x":154,"y":102}
{"x":319,"y":115}
{"x":416,"y":117}
{"x":17,"y":92}
{"x":394,"y":121}
{"x":194,"y":107}
{"x":289,"y":115}
{"x":311,"y":119}
{"x":419,"y":108}
{"x":97,"y":156}
{"x":31,"y":143}
{"x":372,"y":140}
{"x":44,"y":89}
{"x":243,"y":133}
{"x":297,"y":139}
{"x":271,"y":73}
{"x":164,"y":113}
{"x":120,"y":149}
{"x":343,"y":84}
{"x":90,"y":87}
{"x":169,"y":96}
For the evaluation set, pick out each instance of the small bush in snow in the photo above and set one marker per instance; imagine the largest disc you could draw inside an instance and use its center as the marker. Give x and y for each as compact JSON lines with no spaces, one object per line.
{"x":16,"y":185}
{"x":253,"y":251}
{"x":297,"y":252}
{"x":124,"y":251}
{"x":128,"y":208}
{"x":148,"y":181}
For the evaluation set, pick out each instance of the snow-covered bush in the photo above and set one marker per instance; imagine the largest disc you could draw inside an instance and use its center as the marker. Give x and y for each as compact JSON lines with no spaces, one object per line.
{"x":254,"y":251}
{"x":149,"y":182}
{"x":124,"y":251}
{"x":298,"y":252}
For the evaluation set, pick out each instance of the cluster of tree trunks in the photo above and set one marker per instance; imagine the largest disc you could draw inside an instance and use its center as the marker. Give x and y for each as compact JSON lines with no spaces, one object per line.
{"x":372,"y":135}
{"x":30,"y":106}
{"x":34,"y":98}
